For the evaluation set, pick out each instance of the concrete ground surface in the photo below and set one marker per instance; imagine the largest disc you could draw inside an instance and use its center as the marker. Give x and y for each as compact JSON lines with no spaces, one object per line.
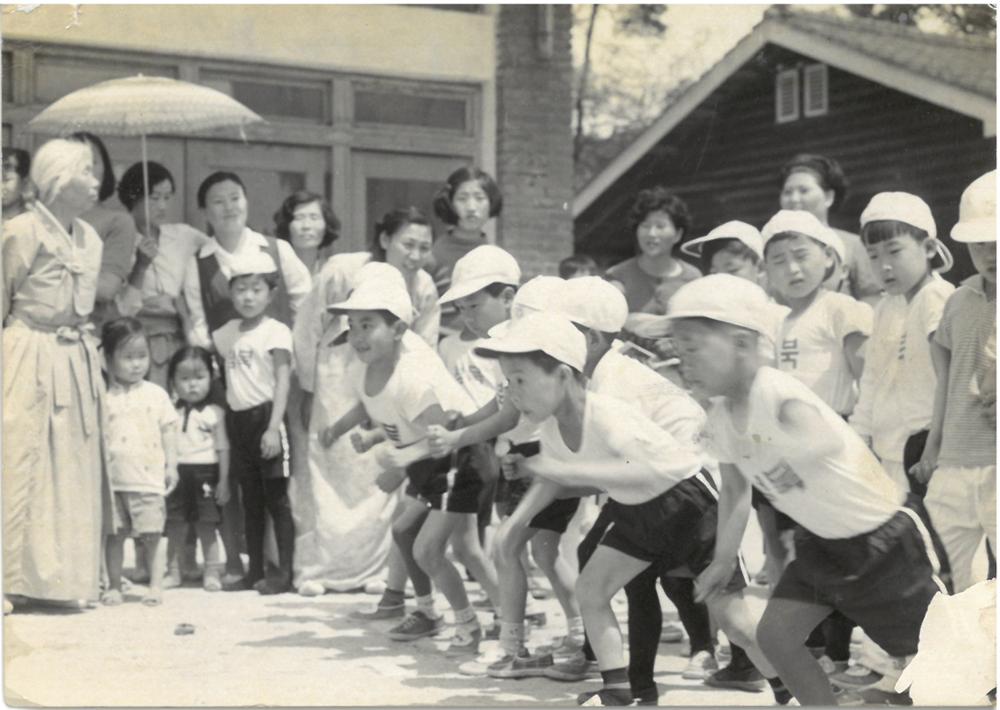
{"x":247,"y":649}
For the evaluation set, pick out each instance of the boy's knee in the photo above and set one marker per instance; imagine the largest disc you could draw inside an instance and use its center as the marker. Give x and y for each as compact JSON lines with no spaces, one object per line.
{"x":590,"y":593}
{"x":426,"y":557}
{"x":544,"y":552}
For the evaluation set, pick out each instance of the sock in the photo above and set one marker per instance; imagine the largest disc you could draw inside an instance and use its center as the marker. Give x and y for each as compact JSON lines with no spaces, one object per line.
{"x":511,"y":637}
{"x":616,"y":678}
{"x":426,"y":605}
{"x":466,"y":616}
{"x":574,"y":627}
{"x":391,"y":598}
{"x":782,"y":695}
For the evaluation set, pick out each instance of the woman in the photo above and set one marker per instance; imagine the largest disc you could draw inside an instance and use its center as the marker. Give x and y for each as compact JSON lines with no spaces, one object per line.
{"x":164,"y":253}
{"x":816,"y":184}
{"x":659,"y":220}
{"x":16,"y":164}
{"x":342,"y":519}
{"x":306,"y":221}
{"x":115,"y":228}
{"x":54,"y":489}
{"x":223,"y":199}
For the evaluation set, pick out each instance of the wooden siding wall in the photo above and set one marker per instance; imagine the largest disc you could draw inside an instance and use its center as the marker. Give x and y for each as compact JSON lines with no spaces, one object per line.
{"x":724,"y":158}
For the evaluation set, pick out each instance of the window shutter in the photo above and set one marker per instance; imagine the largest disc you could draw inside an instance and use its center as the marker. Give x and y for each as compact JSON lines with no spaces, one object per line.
{"x":786,"y":96}
{"x":816,"y":98}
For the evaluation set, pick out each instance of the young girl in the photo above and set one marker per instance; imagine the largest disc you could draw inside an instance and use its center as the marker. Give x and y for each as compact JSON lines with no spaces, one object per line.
{"x":140,"y":430}
{"x":203,"y":465}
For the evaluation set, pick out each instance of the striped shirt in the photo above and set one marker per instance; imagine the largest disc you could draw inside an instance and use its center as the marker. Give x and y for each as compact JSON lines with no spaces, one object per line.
{"x":968,"y":321}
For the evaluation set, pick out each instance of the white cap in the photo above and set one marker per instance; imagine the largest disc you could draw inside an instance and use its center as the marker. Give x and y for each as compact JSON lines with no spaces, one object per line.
{"x":550,"y":333}
{"x":805,"y":223}
{"x":253,"y":262}
{"x":594,"y":303}
{"x":380,"y":287}
{"x":741,"y":231}
{"x":484,"y":265}
{"x":977,"y":212}
{"x":724,"y":298}
{"x":542,"y":293}
{"x":900,"y":207}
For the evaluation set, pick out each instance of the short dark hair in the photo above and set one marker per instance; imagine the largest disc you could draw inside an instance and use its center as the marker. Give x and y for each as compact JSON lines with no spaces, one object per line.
{"x":213,"y":180}
{"x":831,"y":175}
{"x":271,"y":279}
{"x":885,"y":229}
{"x":548,"y":363}
{"x":659,"y":199}
{"x":19,"y":158}
{"x":286,"y":213}
{"x":497,"y":288}
{"x":186,"y":353}
{"x":710,"y":249}
{"x":572,"y":265}
{"x":117,"y":331}
{"x":130,"y":187}
{"x":442,"y":201}
{"x":391,"y":222}
{"x":107,"y":188}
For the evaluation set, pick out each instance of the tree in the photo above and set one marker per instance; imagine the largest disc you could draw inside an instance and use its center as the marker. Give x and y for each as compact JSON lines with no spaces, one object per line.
{"x":959,"y":19}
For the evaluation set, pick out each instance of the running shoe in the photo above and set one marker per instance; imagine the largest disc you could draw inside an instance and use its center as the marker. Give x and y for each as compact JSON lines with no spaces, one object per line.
{"x":746,"y":679}
{"x":700,"y":666}
{"x":416,"y":626}
{"x":523,"y":665}
{"x":573,"y":669}
{"x":379,"y":613}
{"x":466,"y":640}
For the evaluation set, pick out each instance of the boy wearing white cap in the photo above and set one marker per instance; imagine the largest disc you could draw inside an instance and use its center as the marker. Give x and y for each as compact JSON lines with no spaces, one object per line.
{"x":732,"y":248}
{"x":858,"y":548}
{"x":403,"y":386}
{"x":257,"y":351}
{"x":660,"y":500}
{"x":959,"y":459}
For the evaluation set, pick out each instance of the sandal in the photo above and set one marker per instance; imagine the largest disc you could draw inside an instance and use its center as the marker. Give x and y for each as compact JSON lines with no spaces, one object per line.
{"x":111,"y":597}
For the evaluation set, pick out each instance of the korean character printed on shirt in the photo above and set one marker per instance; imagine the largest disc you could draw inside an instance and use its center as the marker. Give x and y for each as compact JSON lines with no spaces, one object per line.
{"x":789,"y":352}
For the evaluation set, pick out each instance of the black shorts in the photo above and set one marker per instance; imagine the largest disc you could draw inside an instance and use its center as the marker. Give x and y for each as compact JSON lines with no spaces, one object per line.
{"x":758,"y":500}
{"x":674,"y":531}
{"x":193,"y":501}
{"x":556,"y":515}
{"x":245,"y":428}
{"x":882,"y":580}
{"x":451,"y":483}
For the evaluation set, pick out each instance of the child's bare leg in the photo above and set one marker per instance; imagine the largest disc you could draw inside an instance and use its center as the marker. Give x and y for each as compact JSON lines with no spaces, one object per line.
{"x":781,"y":636}
{"x":156,"y":554}
{"x":405,"y":529}
{"x":114,"y":554}
{"x":734,"y":616}
{"x":511,"y":543}
{"x":210,"y":548}
{"x":545,"y":550}
{"x":176,"y":536}
{"x":469,"y":552}
{"x":607,"y":572}
{"x":428,"y":551}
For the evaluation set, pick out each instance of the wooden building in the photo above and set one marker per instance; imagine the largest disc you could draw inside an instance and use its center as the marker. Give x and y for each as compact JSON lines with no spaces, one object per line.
{"x":898,"y":108}
{"x":370,"y":105}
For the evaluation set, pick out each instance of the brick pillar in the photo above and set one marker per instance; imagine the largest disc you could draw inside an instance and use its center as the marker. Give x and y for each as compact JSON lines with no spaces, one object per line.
{"x":534,"y":138}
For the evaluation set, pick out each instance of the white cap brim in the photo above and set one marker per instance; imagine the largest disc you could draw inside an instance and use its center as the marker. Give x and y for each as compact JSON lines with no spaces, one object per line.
{"x":694,"y":247}
{"x":721,"y":318}
{"x":975,"y":231}
{"x":362,"y":302}
{"x":467,"y":288}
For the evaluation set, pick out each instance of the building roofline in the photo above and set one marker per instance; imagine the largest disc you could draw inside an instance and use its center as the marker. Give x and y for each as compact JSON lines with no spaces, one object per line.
{"x":774,"y":29}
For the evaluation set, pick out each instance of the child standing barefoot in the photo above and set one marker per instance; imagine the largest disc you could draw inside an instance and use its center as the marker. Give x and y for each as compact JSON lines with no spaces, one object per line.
{"x":140,"y":429}
{"x":203,"y":465}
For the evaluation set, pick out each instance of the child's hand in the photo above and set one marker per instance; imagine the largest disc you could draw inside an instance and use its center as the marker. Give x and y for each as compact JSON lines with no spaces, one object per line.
{"x":222,"y":493}
{"x":924,"y":468}
{"x":440,"y":440}
{"x":713,"y":580}
{"x":988,"y":400}
{"x":270,"y":444}
{"x":363,"y":441}
{"x":388,"y":457}
{"x":510,"y":464}
{"x":390,"y":479}
{"x":328,"y":436}
{"x":172,"y":480}
{"x":453,"y":420}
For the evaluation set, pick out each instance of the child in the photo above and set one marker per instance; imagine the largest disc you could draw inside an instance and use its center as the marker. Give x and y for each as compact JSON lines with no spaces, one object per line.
{"x":663,"y":507}
{"x":858,"y":549}
{"x":896,"y":398}
{"x":404,"y":387}
{"x":543,"y":531}
{"x":257,"y":351}
{"x":735,"y":248}
{"x":140,"y":430}
{"x":202,"y":464}
{"x":959,"y":459}
{"x":576,"y":266}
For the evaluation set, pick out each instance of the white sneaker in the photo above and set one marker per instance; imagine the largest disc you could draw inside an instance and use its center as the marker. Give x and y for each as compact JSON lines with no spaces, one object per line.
{"x":700,"y":667}
{"x":672,"y":633}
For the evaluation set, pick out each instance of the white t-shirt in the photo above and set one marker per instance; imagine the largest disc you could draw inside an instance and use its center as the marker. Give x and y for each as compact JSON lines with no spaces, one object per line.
{"x":811,"y":348}
{"x":134,"y":418}
{"x":896,"y":398}
{"x":419,"y":381}
{"x":201,"y":434}
{"x":616,"y":432}
{"x":835,"y":497}
{"x":250,"y":379}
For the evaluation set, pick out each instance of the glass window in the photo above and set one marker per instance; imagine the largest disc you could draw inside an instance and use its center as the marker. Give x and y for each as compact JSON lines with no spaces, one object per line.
{"x":7,"y":77}
{"x":401,"y":109}
{"x":57,"y":76}
{"x":268,"y":98}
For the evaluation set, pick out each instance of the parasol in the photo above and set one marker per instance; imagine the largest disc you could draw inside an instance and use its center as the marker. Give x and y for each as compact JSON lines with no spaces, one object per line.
{"x":139,"y":105}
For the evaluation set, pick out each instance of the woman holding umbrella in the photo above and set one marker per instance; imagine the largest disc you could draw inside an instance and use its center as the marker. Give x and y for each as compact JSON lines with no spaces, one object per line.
{"x":54,"y":485}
